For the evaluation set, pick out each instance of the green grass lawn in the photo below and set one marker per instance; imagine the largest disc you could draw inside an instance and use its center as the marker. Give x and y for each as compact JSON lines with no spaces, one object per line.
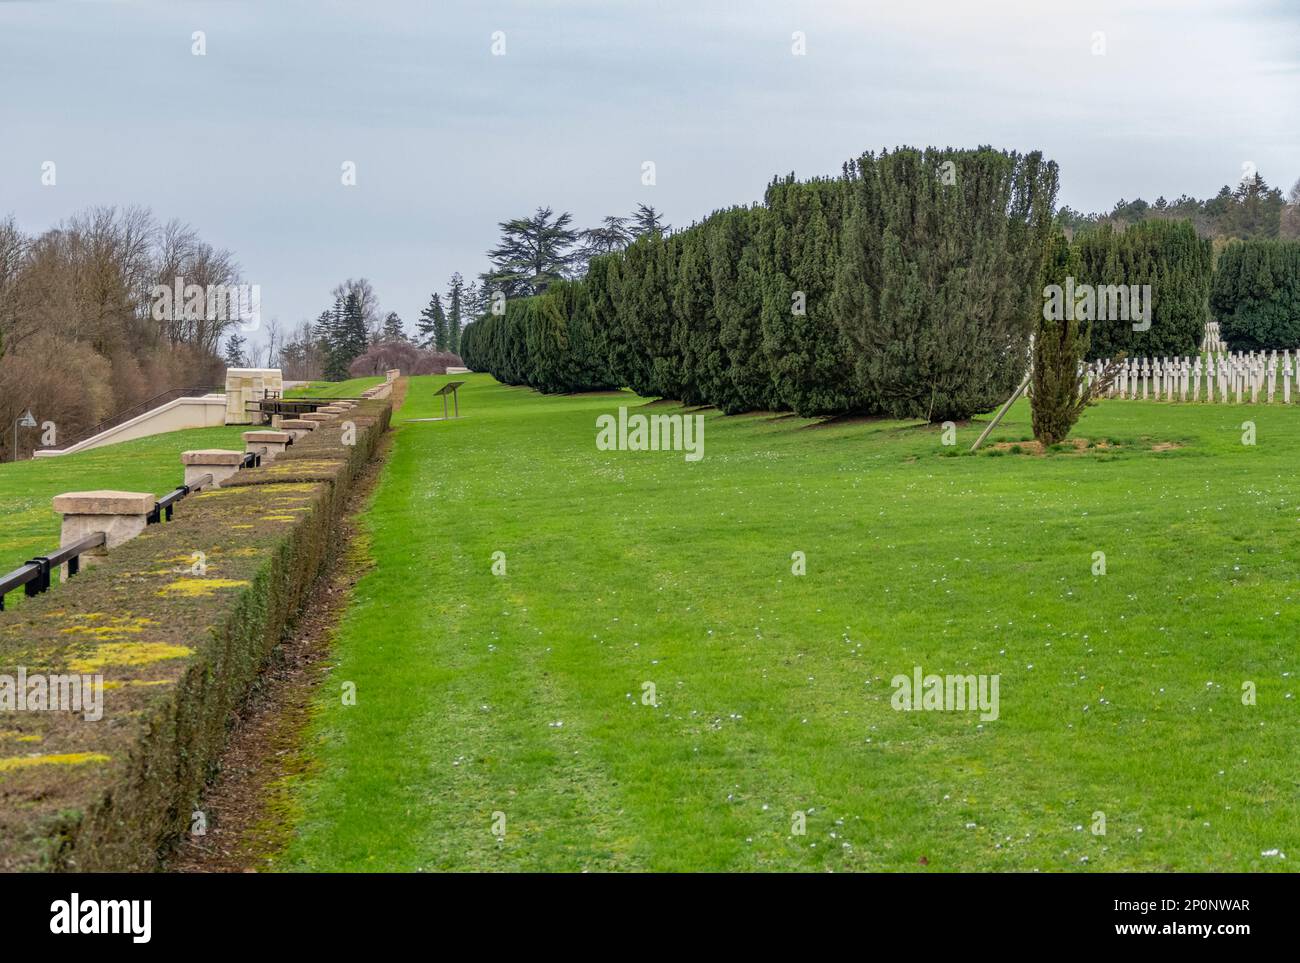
{"x":521,"y":693}
{"x":30,"y":526}
{"x":334,"y":389}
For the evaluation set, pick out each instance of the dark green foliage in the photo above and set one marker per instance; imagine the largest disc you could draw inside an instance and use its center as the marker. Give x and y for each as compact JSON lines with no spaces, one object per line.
{"x":532,"y":253}
{"x":809,"y":358}
{"x":433,"y":324}
{"x":608,"y":340}
{"x":652,"y":361}
{"x":738,"y":301}
{"x":393,"y":329}
{"x":455,"y":312}
{"x":918,"y":296}
{"x":936,"y":283}
{"x":345,"y":336}
{"x":694,"y":322}
{"x":1058,"y":392}
{"x":1256,"y":295}
{"x":1176,"y":264}
{"x":546,"y":342}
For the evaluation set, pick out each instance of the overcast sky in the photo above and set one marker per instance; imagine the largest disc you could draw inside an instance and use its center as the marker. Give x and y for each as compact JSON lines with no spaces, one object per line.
{"x":246,"y":143}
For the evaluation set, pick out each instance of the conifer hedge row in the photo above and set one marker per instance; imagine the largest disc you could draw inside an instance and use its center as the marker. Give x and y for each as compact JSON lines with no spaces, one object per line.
{"x":1168,"y":258}
{"x":1256,"y":295}
{"x":907,"y":286}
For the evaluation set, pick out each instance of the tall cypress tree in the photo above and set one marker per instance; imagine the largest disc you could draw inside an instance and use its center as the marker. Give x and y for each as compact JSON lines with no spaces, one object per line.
{"x":1059,"y":390}
{"x":738,"y":302}
{"x":810,"y":359}
{"x":937,"y":283}
{"x":455,"y":310}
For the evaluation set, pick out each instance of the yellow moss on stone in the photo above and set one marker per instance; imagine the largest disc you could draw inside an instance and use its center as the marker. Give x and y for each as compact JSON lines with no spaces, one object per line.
{"x":126,"y":654}
{"x":199,"y":587}
{"x":65,"y":759}
{"x":119,"y":683}
{"x":17,"y":736}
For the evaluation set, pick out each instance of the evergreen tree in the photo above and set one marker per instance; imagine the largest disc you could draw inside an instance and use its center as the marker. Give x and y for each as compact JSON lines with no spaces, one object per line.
{"x":1059,"y":390}
{"x":235,"y":355}
{"x":432,"y":326}
{"x":533,"y":252}
{"x":646,"y":220}
{"x":613,"y":235}
{"x":1256,"y":295}
{"x":808,"y":355}
{"x":472,"y":306}
{"x":738,"y":301}
{"x":349,"y":336}
{"x":455,"y":312}
{"x":393,"y":329}
{"x":936,"y":287}
{"x":1168,"y":259}
{"x":654,"y":369}
{"x":1257,"y":209}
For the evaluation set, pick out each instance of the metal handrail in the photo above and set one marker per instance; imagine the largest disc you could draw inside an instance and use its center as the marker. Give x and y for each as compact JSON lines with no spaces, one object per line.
{"x":34,"y":574}
{"x":139,"y":409}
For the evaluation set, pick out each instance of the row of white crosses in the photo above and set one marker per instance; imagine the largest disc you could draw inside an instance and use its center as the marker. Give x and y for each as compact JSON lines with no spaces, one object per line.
{"x":1227,"y":378}
{"x":1213,"y":343}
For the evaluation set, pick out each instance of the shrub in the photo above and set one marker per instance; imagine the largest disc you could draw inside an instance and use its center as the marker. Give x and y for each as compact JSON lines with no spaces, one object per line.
{"x":1256,"y":295}
{"x":383,"y":356}
{"x":1059,"y":390}
{"x":936,"y":283}
{"x":808,"y":356}
{"x":1174,"y":261}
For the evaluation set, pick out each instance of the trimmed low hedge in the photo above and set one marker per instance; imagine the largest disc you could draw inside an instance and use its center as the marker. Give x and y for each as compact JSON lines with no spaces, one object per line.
{"x":178,"y":652}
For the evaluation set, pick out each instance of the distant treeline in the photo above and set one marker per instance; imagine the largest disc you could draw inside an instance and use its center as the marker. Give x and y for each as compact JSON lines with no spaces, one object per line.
{"x":1251,"y":210}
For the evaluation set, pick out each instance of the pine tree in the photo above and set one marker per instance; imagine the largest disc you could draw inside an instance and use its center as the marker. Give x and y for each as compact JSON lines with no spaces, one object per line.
{"x":393,"y":329}
{"x":455,"y":312}
{"x":235,"y":356}
{"x":354,"y":336}
{"x":336,"y":364}
{"x":433,"y":324}
{"x":533,"y":252}
{"x":646,"y":220}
